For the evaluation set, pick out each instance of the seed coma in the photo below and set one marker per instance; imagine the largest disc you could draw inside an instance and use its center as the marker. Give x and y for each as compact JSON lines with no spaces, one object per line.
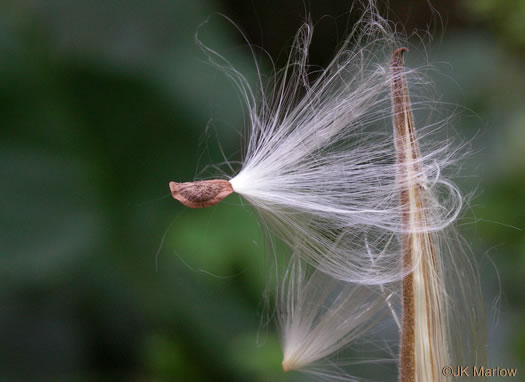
{"x":200,"y":194}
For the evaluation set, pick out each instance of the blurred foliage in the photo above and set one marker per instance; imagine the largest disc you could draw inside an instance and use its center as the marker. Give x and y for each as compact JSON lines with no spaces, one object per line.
{"x":103,"y":276}
{"x":505,"y":16}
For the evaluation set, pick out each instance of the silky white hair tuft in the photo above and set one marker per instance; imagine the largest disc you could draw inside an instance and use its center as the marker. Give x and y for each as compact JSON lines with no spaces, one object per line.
{"x":320,"y":315}
{"x":320,"y":159}
{"x":361,"y":207}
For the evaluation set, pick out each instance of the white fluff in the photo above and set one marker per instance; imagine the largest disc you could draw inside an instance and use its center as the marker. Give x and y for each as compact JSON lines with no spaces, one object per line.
{"x":320,"y":315}
{"x":320,"y":168}
{"x":320,"y":158}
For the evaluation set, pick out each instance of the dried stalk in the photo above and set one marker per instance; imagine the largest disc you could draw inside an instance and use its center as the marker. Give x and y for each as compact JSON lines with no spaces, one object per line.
{"x":423,"y":331}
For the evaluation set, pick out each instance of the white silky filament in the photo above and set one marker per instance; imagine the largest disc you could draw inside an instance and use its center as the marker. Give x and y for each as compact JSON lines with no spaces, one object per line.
{"x":320,"y":160}
{"x":320,"y":315}
{"x":322,"y":170}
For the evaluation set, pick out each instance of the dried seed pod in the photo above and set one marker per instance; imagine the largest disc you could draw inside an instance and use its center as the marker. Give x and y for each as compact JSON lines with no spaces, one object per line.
{"x":204,"y":193}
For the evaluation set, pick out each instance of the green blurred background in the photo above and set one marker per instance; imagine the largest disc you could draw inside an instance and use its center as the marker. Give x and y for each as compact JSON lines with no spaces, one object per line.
{"x":104,"y":277}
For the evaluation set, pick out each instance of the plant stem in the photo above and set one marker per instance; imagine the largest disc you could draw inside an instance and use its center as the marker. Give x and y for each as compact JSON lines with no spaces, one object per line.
{"x":403,"y":132}
{"x":424,"y":332}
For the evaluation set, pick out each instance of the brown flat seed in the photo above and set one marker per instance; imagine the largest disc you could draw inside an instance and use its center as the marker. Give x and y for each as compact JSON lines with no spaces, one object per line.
{"x":202,"y":193}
